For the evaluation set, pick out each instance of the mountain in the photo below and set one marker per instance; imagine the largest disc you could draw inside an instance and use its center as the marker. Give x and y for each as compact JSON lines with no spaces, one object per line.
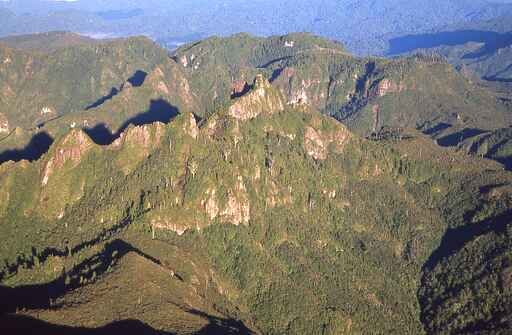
{"x":226,"y":188}
{"x":285,"y":206}
{"x":364,"y":93}
{"x":73,"y":82}
{"x":481,"y":51}
{"x":133,"y":81}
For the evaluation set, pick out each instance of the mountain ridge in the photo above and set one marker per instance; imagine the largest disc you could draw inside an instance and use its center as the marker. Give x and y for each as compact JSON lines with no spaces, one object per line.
{"x":261,"y":208}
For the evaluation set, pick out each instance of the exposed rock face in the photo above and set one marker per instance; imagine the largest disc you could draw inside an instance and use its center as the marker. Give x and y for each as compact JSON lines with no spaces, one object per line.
{"x":262,"y":99}
{"x":211,"y":206}
{"x":47,"y":111}
{"x":289,"y":44}
{"x":145,"y":136}
{"x":4,"y":124}
{"x":190,"y":126}
{"x":376,"y":117}
{"x":141,"y":135}
{"x":157,"y":80}
{"x":316,"y":143}
{"x":237,"y":209}
{"x":164,"y":224}
{"x":136,"y":144}
{"x":71,"y":149}
{"x":387,"y":86}
{"x":184,"y":61}
{"x":299,"y":97}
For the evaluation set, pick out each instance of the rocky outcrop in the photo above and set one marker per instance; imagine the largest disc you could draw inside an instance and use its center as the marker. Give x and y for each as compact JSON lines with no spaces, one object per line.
{"x":387,"y":86}
{"x":237,"y":209}
{"x":211,"y":205}
{"x":166,"y":224}
{"x":145,"y":136}
{"x":4,"y":124}
{"x":262,"y":99}
{"x":70,"y":149}
{"x":190,"y":126}
{"x":47,"y":111}
{"x":316,"y":142}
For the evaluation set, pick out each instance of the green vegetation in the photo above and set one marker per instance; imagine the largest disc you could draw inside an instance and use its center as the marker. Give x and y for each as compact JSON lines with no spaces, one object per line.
{"x":267,"y":210}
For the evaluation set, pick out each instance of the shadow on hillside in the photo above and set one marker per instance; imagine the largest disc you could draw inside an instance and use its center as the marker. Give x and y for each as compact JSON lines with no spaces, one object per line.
{"x":37,"y":147}
{"x":454,"y":240}
{"x":458,"y":137}
{"x":497,"y":79}
{"x":113,"y":92}
{"x":497,"y":76}
{"x":221,"y":326}
{"x":436,"y":128}
{"x":492,"y":41}
{"x":159,"y":110}
{"x":136,"y":80}
{"x":18,"y":324}
{"x":506,"y":161}
{"x":43,"y":296}
{"x":28,"y":262}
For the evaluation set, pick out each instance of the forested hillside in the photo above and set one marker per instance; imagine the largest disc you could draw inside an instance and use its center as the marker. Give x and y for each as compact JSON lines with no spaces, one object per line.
{"x":248,"y":185}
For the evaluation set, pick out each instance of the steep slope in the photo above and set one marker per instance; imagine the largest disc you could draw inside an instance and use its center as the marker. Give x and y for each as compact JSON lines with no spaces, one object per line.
{"x":101,"y":87}
{"x":127,"y":78}
{"x":36,"y":88}
{"x":304,"y":226}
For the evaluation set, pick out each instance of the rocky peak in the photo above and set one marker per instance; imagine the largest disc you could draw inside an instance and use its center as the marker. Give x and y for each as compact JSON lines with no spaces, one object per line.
{"x":70,"y":149}
{"x":263,"y":98}
{"x":141,"y":136}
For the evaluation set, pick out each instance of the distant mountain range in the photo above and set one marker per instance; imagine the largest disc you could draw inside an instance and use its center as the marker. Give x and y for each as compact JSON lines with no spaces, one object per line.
{"x":364,"y":26}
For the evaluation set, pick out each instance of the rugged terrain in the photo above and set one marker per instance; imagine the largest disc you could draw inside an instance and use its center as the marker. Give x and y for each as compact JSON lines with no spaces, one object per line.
{"x":249,"y":207}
